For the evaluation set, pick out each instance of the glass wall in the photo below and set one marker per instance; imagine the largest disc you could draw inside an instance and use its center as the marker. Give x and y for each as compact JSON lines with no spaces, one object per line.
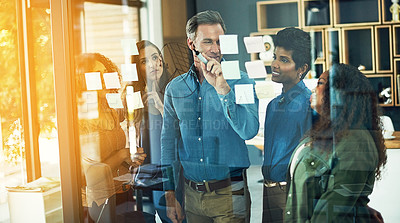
{"x":107,"y":32}
{"x":83,"y":99}
{"x":12,"y":147}
{"x":29,"y":147}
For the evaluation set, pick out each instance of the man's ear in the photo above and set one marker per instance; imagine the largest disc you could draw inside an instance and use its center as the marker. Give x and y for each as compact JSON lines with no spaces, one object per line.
{"x":190,"y":44}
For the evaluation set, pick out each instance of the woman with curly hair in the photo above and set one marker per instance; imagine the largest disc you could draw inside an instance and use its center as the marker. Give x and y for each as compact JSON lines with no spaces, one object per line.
{"x":102,"y":140}
{"x":333,"y":170}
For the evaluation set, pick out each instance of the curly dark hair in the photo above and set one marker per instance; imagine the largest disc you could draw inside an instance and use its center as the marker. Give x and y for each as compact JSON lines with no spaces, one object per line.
{"x":297,"y":41}
{"x":353,"y":93}
{"x":86,"y":63}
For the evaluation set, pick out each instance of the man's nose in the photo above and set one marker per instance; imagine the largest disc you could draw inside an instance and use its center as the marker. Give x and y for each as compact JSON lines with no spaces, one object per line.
{"x":215,"y":48}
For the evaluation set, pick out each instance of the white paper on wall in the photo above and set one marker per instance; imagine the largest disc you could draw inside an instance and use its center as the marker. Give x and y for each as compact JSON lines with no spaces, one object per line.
{"x":93,"y":81}
{"x":134,"y":101}
{"x":229,"y":44}
{"x":129,"y":72}
{"x":256,"y":69}
{"x":230,"y":69}
{"x":114,"y":100}
{"x":254,"y":44}
{"x":88,"y":105}
{"x":244,"y":94}
{"x":129,"y":47}
{"x":111,"y":80}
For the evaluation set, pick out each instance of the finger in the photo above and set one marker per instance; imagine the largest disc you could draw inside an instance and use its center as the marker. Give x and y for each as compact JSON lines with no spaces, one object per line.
{"x":180,"y":215}
{"x":140,"y":150}
{"x":144,"y":95}
{"x":203,"y":67}
{"x":210,"y":65}
{"x":141,"y":157}
{"x":172,"y":215}
{"x":216,"y":70}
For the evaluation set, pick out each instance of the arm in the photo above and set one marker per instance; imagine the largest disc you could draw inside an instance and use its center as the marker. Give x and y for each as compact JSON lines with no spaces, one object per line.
{"x":174,"y":208}
{"x":169,"y":136}
{"x":94,"y":169}
{"x":153,"y":95}
{"x":242,"y":117}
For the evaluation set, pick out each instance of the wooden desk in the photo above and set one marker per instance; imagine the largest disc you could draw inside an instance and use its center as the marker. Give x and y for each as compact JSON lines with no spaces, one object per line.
{"x":393,"y":143}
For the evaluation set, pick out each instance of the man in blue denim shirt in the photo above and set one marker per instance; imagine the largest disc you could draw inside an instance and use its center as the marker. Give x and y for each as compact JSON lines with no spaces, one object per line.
{"x":206,"y":130}
{"x":288,"y":117}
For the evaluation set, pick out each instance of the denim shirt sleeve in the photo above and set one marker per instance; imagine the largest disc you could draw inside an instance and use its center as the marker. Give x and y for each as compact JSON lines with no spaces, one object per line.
{"x":242,"y":117}
{"x":169,"y":138}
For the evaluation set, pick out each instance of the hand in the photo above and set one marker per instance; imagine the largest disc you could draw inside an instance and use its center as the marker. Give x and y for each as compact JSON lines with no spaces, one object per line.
{"x":174,"y":209}
{"x":212,"y":72}
{"x":152,"y":95}
{"x":138,"y":158}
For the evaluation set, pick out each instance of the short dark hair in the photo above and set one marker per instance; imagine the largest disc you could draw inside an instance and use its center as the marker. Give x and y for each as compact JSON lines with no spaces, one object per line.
{"x":207,"y":17}
{"x":297,"y":41}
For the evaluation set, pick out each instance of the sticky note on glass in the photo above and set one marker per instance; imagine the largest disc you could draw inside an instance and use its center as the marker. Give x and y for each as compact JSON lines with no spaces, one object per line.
{"x":244,"y":94}
{"x":111,"y":80}
{"x":256,"y":69}
{"x":88,"y":105}
{"x":129,"y":72}
{"x":230,"y":69}
{"x":93,"y":81}
{"x":134,"y":101}
{"x":132,"y":140}
{"x":129,"y":47}
{"x":254,"y":44}
{"x":228,"y":44}
{"x":114,"y":100}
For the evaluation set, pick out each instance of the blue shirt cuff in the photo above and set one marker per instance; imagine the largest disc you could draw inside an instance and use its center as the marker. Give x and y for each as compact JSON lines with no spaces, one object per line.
{"x":228,"y":98}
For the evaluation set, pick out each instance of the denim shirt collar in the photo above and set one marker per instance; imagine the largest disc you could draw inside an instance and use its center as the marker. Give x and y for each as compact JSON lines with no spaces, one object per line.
{"x":292,"y":93}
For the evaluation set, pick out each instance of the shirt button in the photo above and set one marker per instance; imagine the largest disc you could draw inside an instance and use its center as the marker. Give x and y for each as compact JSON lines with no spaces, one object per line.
{"x":201,"y":160}
{"x":288,"y":212}
{"x":199,"y":118}
{"x":199,"y":139}
{"x":312,"y":163}
{"x":204,"y":181}
{"x":290,"y":195}
{"x":226,"y":100}
{"x":199,"y":98}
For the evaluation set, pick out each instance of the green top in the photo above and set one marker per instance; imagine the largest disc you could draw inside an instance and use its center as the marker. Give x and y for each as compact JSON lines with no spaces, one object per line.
{"x":328,"y":188}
